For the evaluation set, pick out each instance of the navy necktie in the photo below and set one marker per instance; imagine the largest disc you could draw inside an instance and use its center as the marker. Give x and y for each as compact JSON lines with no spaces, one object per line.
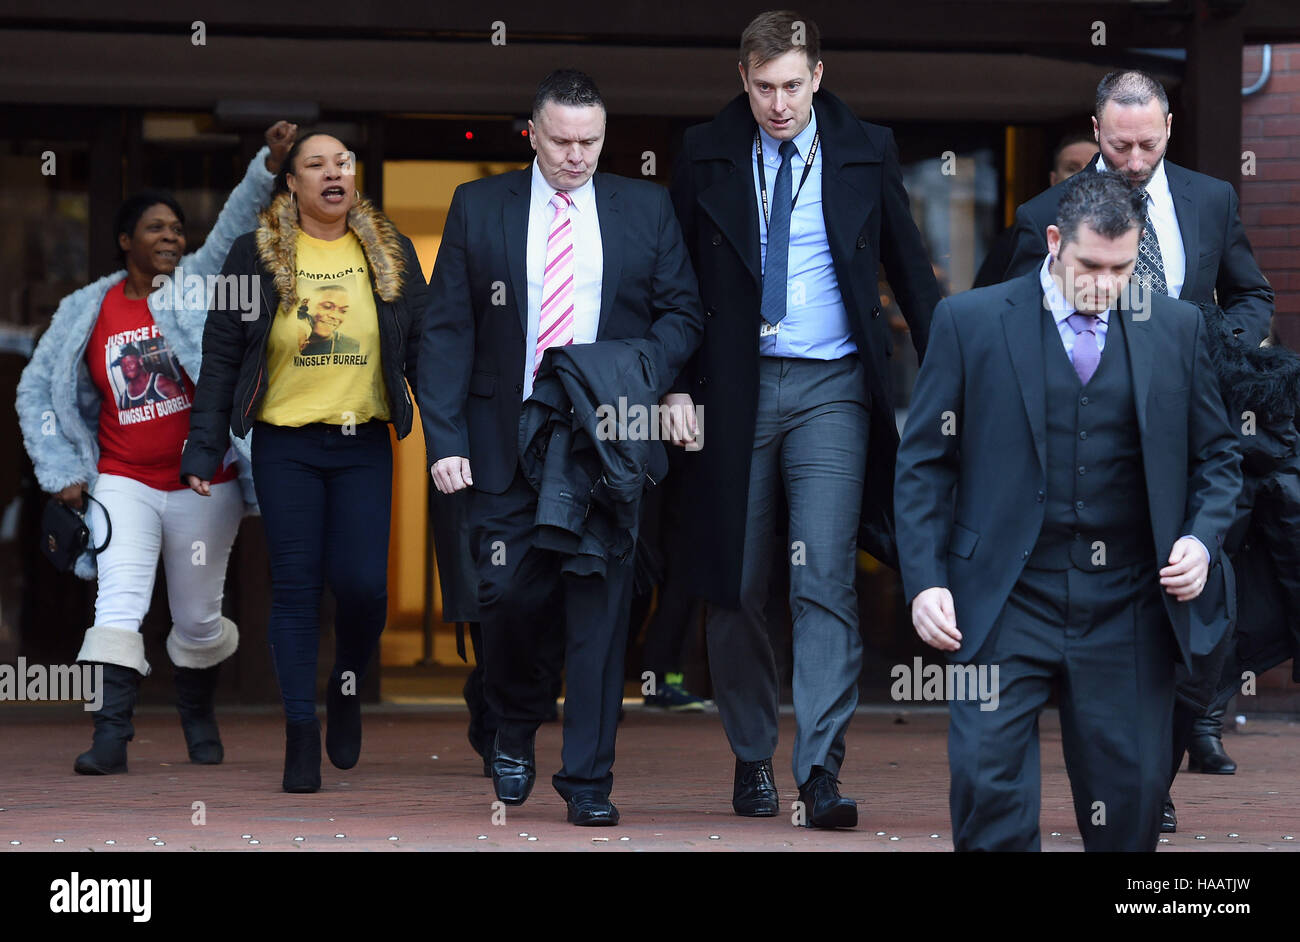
{"x":776,"y":269}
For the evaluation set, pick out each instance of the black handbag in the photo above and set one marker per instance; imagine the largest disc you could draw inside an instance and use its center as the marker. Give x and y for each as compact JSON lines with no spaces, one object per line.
{"x":65,"y":535}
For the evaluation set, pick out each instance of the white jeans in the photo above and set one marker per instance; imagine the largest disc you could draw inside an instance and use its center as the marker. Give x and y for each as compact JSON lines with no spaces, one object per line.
{"x":192,"y":533}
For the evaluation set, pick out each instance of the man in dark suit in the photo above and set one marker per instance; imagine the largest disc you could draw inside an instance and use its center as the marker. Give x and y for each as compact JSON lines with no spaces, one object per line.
{"x":1073,"y":152}
{"x":533,"y":259}
{"x":1066,"y":456}
{"x":1195,"y":245}
{"x":789,"y":204}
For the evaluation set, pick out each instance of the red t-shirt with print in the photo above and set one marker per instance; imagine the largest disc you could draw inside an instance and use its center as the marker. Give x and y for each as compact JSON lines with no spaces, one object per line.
{"x":144,"y":417}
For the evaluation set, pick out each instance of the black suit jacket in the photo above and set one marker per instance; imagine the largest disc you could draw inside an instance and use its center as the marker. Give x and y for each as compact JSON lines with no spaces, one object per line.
{"x":472,"y":354}
{"x":969,"y":505}
{"x":867,"y":222}
{"x":1214,"y":243}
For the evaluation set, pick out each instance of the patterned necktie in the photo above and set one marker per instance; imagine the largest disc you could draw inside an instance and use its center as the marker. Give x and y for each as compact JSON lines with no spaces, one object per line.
{"x":1150,"y":268}
{"x":776,"y":269}
{"x":1086,"y":352}
{"x":555,"y":323}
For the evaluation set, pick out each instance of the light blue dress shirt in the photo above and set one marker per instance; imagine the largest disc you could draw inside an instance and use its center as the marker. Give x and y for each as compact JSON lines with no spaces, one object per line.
{"x":1062,"y":309}
{"x":816,"y":324}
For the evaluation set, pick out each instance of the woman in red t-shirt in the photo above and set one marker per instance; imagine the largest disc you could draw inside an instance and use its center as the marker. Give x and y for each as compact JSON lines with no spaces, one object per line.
{"x":117,"y":347}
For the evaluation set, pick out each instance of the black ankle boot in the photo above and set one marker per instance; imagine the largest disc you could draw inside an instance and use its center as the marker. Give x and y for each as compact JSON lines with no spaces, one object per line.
{"x":302,"y":756}
{"x":343,"y":722}
{"x":113,"y":729}
{"x":195,"y":697}
{"x":1205,"y":750}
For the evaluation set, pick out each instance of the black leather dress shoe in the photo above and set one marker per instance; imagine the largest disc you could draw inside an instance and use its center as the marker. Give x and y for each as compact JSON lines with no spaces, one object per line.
{"x":1168,"y":820}
{"x":824,"y":807}
{"x":592,"y":810}
{"x":754,"y":793}
{"x":513,"y":771}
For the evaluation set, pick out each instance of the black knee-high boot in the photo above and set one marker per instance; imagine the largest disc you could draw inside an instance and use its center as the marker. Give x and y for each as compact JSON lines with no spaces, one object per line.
{"x":113,"y":730}
{"x":196,"y":690}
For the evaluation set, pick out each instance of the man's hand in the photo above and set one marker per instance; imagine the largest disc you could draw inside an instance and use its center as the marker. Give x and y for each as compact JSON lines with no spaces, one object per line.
{"x":71,"y":495}
{"x":935,"y":619}
{"x":279,"y":137}
{"x":199,"y":486}
{"x":677,"y":423}
{"x":451,"y":474}
{"x":1184,"y":577}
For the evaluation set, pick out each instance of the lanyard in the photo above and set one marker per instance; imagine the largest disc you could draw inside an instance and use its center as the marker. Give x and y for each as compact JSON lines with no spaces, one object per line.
{"x":762,"y":177}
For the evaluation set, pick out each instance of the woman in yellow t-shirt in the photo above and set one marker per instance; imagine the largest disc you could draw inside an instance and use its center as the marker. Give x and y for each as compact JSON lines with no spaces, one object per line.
{"x":314,"y":345}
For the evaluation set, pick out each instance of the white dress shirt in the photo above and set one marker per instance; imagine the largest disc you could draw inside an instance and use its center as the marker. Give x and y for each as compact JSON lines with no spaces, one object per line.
{"x":588,"y":263}
{"x":1160,"y":211}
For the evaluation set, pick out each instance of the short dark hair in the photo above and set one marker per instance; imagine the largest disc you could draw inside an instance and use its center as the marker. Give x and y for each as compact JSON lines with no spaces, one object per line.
{"x":567,"y":87}
{"x":135,"y":206}
{"x":281,"y":184}
{"x":771,"y":35}
{"x":1074,"y":137}
{"x":1105,"y":201}
{"x":1130,"y":88}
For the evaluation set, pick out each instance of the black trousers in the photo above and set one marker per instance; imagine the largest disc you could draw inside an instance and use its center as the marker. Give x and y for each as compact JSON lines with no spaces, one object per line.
{"x":1106,"y":637}
{"x":523,"y":598}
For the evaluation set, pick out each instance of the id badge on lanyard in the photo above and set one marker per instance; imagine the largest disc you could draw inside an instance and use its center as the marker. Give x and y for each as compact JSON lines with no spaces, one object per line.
{"x":766,"y":329}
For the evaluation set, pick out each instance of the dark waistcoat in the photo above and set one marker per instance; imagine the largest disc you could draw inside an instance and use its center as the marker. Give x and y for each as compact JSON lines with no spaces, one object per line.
{"x":1097,"y":515}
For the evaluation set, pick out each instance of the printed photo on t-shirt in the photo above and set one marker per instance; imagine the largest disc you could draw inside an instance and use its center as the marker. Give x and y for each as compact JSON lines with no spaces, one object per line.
{"x":144,"y":375}
{"x":323,"y":310}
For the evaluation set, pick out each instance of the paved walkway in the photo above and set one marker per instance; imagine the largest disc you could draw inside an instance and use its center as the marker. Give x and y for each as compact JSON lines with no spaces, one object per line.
{"x":419,"y":786}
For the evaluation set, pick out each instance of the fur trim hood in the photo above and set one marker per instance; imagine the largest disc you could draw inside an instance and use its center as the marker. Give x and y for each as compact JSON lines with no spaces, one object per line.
{"x":277,"y":247}
{"x":1264,"y":380}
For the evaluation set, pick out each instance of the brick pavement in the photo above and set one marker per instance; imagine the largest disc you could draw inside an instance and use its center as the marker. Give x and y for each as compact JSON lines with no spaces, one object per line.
{"x":419,"y":782}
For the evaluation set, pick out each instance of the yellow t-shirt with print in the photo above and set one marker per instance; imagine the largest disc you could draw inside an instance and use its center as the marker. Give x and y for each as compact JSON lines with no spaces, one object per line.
{"x":323,"y":358}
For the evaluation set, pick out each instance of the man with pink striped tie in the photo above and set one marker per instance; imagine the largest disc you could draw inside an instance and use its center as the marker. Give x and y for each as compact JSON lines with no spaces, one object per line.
{"x":555,"y":327}
{"x":546,"y":257}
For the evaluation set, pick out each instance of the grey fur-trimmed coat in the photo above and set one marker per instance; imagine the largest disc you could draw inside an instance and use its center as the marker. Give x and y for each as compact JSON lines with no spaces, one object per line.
{"x":58,"y":404}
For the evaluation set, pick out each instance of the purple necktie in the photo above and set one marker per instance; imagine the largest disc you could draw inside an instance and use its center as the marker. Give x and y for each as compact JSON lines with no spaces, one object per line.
{"x":1086,"y":354}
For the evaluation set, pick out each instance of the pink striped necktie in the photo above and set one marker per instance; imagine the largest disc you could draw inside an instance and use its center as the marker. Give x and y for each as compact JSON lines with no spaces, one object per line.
{"x":555,"y":324}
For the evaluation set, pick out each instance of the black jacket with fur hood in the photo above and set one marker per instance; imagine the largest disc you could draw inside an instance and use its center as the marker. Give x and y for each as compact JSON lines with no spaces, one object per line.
{"x":1261,"y":389}
{"x":234,"y":375}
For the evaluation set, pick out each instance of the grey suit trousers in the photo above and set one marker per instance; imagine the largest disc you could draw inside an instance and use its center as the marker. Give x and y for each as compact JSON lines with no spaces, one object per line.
{"x":810,"y":438}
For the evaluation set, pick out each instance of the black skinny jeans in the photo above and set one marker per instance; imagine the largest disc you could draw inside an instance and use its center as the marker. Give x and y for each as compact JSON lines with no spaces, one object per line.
{"x":325,"y":498}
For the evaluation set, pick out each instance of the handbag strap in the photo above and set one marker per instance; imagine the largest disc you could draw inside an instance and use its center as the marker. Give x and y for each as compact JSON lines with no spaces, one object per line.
{"x":96,"y":550}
